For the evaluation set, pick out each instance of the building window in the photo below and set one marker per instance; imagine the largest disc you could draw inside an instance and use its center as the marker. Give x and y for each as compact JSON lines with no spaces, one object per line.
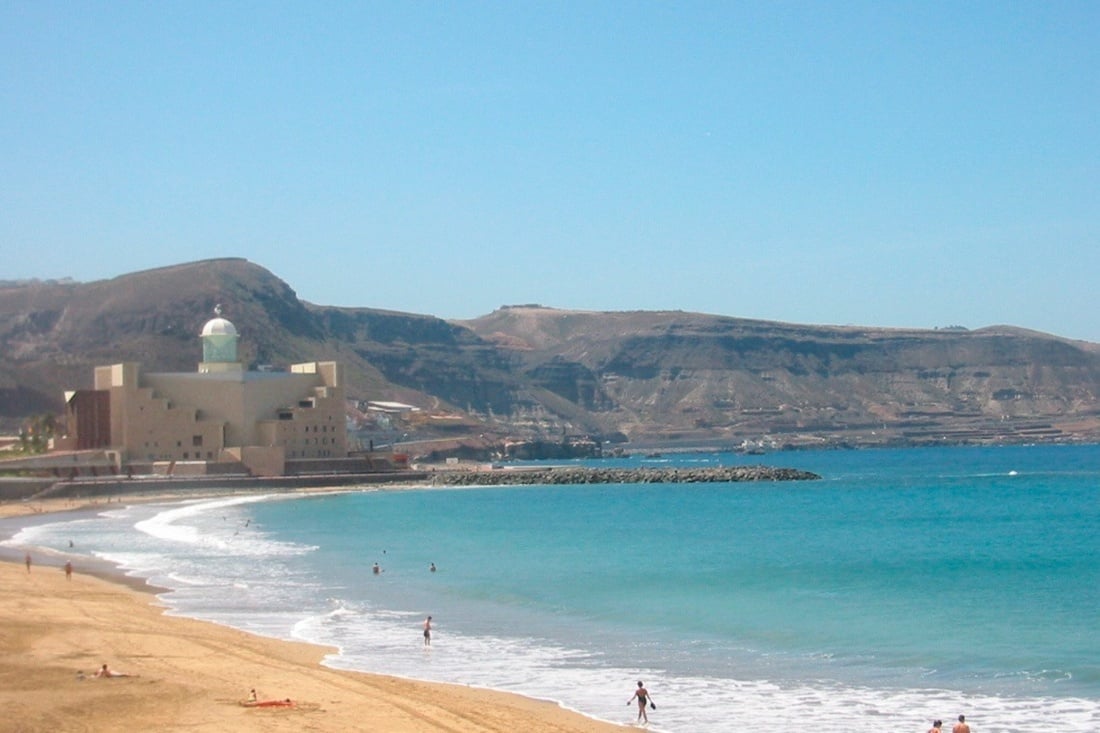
{"x":196,"y":441}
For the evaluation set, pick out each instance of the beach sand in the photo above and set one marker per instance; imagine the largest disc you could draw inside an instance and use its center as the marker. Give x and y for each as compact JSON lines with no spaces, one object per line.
{"x":193,"y":675}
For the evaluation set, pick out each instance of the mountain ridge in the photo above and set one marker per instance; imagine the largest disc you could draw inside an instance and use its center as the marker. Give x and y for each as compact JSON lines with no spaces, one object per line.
{"x":535,"y":371}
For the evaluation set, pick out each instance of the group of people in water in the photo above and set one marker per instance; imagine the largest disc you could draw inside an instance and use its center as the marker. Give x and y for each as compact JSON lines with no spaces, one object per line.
{"x":376,"y":569}
{"x":643,"y":698}
{"x":641,"y":695}
{"x":960,"y":727}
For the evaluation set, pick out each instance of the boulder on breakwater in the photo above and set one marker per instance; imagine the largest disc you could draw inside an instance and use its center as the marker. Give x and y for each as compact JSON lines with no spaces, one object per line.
{"x":585,"y":475}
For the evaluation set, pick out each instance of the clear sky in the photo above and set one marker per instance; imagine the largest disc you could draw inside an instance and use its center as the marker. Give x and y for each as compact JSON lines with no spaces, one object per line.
{"x":883,"y":163}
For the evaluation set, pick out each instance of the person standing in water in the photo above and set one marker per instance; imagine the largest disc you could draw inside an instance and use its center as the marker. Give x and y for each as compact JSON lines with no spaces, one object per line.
{"x":428,"y":631}
{"x":643,"y":698}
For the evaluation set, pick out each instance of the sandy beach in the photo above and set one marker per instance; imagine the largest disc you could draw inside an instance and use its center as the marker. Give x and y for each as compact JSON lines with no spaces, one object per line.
{"x":192,"y":675}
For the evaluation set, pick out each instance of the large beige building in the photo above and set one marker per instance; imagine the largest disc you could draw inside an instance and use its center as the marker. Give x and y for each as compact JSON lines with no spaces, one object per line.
{"x":221,"y":413}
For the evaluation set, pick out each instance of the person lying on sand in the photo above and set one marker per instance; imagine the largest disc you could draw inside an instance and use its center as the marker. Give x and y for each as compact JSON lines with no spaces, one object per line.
{"x":254,"y":702}
{"x":286,"y":703}
{"x":105,"y":672}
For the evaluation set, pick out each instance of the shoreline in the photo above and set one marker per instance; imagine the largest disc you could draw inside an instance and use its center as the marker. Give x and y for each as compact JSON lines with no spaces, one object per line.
{"x":193,"y":673}
{"x":100,"y":495}
{"x":752,"y":696}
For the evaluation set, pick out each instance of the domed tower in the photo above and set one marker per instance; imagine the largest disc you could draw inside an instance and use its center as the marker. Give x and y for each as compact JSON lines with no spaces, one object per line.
{"x":219,"y":345}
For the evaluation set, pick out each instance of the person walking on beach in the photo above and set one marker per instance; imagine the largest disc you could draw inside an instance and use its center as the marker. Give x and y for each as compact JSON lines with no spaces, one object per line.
{"x":428,"y":631}
{"x":643,"y":697}
{"x":27,"y":559}
{"x":961,"y":726}
{"x":68,"y":571}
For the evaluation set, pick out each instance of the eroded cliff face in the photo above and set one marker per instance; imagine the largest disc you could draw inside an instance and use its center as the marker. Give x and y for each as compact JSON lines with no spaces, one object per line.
{"x":539,"y":371}
{"x":668,"y":374}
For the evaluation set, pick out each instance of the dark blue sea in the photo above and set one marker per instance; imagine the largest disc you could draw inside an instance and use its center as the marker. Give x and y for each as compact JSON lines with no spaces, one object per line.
{"x":906,"y":585}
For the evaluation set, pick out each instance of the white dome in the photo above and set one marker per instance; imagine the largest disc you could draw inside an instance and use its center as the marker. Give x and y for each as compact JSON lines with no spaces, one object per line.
{"x":219,"y":327}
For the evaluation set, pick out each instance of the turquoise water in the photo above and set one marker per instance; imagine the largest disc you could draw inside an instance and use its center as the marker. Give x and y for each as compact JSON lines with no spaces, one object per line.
{"x":906,"y":585}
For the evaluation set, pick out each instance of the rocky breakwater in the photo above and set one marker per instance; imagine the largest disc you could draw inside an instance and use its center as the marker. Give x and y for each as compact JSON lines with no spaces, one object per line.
{"x":586,"y":475}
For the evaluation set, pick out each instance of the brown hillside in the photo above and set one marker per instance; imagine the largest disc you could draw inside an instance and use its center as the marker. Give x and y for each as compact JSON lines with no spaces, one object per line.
{"x":662,"y":373}
{"x":660,"y":376}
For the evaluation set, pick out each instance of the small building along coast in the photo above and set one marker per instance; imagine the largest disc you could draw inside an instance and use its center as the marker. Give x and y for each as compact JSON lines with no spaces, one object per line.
{"x":219,"y":419}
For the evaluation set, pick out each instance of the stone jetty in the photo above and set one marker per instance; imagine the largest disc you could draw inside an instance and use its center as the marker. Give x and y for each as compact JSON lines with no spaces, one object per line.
{"x":594,"y":475}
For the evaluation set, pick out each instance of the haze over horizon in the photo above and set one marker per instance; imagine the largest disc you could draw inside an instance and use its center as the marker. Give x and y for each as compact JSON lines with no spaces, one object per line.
{"x":896,"y":165}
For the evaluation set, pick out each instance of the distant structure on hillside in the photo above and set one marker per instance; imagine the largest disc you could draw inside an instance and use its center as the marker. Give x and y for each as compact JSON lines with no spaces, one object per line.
{"x":268,"y":422}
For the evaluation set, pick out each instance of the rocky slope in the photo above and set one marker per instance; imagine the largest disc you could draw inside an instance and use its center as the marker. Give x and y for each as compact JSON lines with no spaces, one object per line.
{"x":700,"y":374}
{"x":528,"y":370}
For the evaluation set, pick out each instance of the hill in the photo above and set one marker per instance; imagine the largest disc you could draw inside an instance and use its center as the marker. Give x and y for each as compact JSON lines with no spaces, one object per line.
{"x":668,"y":375}
{"x":656,"y":377}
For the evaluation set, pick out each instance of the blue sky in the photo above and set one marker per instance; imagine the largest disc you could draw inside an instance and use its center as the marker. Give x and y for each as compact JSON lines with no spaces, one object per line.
{"x":884,"y":163}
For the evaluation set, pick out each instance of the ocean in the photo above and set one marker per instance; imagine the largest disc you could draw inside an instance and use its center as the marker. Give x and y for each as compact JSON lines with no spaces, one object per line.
{"x":904,"y":586}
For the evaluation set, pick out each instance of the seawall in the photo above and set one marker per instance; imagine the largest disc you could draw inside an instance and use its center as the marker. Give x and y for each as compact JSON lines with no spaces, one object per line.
{"x":579,"y":475}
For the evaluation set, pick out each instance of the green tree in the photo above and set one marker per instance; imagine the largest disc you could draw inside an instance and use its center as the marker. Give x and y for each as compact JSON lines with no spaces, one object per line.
{"x":36,"y":433}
